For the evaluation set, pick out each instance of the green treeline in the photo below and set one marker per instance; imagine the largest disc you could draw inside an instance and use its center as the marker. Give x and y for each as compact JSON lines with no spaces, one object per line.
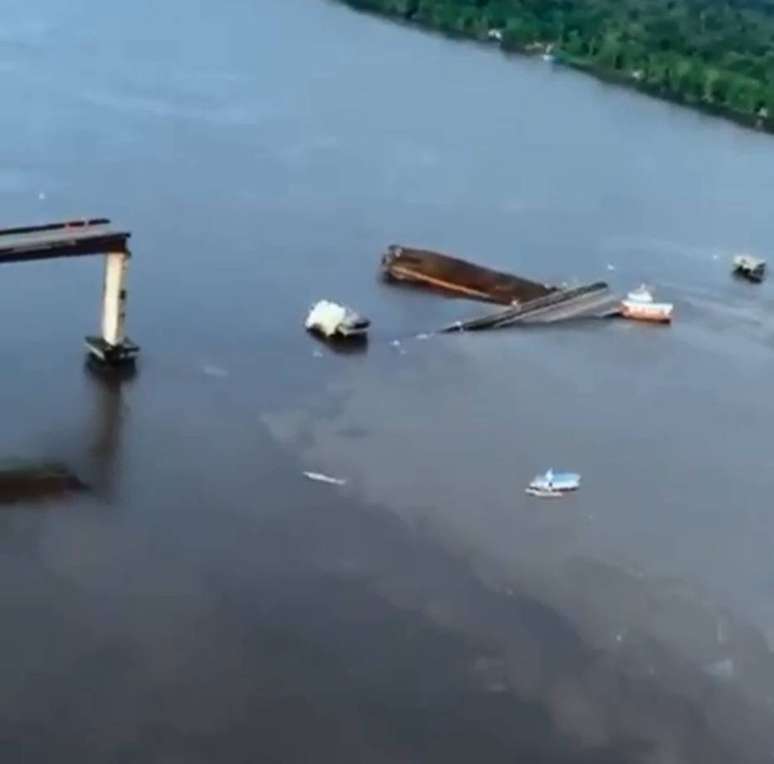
{"x":715,"y":54}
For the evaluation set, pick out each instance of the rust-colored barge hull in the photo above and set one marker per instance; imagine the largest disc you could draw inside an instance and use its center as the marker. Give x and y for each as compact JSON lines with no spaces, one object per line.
{"x":458,"y":277}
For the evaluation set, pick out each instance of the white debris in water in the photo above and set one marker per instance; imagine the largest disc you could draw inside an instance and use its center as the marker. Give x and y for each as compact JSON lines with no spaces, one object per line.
{"x":423,"y":336}
{"x":326,"y":317}
{"x":214,"y":371}
{"x":610,"y":267}
{"x":395,"y":343}
{"x":42,"y":196}
{"x":723,"y":669}
{"x":318,"y":354}
{"x":319,"y":477}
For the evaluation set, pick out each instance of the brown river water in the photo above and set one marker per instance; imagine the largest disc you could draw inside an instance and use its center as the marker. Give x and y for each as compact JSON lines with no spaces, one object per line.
{"x":203,"y":601}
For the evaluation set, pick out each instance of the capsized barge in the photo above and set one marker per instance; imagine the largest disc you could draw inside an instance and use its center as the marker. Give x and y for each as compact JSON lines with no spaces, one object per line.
{"x":458,"y":277}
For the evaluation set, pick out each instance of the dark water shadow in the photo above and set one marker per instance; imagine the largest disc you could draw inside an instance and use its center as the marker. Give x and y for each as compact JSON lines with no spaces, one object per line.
{"x":37,"y":482}
{"x":102,"y":458}
{"x":342,"y":345}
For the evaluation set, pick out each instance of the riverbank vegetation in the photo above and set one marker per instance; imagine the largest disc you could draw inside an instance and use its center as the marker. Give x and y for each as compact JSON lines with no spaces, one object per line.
{"x":713,"y":54}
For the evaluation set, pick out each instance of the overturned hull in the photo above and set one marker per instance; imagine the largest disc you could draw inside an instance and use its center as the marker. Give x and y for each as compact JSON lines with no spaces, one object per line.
{"x":459,"y":277}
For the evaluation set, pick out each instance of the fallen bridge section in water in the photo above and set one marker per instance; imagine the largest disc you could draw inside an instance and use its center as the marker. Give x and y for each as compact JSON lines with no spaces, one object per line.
{"x":528,"y":302}
{"x":589,"y":301}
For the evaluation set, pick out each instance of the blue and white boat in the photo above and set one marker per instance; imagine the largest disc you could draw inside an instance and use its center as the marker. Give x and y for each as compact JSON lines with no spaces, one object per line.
{"x":554,"y":484}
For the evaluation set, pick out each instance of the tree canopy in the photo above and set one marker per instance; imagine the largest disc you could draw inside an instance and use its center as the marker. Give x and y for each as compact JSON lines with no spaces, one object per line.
{"x":716,"y":54}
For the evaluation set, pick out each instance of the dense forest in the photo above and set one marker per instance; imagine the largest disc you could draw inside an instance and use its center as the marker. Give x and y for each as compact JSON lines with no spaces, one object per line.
{"x":713,"y":54}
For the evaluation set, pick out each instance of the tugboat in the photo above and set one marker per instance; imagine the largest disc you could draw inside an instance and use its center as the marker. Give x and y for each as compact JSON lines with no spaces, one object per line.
{"x":639,"y":306}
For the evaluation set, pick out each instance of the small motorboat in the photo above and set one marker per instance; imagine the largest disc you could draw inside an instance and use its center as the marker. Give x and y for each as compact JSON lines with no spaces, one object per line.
{"x":751,"y":268}
{"x":554,"y":484}
{"x":640,"y":306}
{"x":330,"y":320}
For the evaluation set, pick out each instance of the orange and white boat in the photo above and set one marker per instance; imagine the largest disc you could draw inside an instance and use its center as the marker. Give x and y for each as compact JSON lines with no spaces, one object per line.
{"x":640,"y":306}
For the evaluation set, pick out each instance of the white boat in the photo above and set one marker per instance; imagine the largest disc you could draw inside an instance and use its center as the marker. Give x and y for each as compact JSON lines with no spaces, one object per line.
{"x":331,"y":319}
{"x":554,"y":484}
{"x":640,"y":306}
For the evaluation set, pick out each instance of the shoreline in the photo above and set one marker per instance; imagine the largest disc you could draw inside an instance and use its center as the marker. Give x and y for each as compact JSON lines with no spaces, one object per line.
{"x":756,"y":122}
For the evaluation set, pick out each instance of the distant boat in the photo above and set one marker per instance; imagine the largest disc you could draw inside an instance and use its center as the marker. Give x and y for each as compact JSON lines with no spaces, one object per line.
{"x":752,"y":268}
{"x":554,"y":484}
{"x":640,"y":306}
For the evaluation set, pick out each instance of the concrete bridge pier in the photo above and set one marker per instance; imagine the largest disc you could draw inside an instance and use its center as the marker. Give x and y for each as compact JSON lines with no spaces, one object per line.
{"x":113,"y":346}
{"x":76,"y":238}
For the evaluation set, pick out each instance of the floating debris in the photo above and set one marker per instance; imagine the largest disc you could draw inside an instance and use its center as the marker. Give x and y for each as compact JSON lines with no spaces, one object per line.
{"x":749,"y":267}
{"x":722,"y":669}
{"x":423,"y":336}
{"x":319,"y":477}
{"x":330,"y":319}
{"x":554,"y":484}
{"x":214,"y":371}
{"x":610,"y":267}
